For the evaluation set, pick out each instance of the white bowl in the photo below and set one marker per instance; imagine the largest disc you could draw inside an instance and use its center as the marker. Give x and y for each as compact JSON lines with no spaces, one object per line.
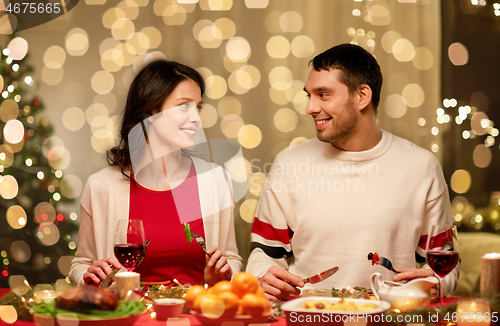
{"x":166,"y":308}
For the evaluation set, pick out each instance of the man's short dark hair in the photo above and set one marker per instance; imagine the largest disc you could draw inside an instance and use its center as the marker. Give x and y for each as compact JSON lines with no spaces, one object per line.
{"x":358,"y":67}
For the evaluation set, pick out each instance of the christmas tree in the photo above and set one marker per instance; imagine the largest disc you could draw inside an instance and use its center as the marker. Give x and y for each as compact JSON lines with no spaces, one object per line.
{"x":35,"y":237}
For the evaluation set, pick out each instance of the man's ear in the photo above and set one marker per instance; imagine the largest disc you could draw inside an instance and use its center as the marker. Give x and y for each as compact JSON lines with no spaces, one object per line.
{"x":364,"y":97}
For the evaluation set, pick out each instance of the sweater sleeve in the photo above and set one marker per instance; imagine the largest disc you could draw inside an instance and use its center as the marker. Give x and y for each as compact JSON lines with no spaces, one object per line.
{"x":271,"y":235}
{"x":438,"y":211}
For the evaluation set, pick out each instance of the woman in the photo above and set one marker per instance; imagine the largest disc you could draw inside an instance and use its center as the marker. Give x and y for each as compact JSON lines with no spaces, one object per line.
{"x":153,"y":178}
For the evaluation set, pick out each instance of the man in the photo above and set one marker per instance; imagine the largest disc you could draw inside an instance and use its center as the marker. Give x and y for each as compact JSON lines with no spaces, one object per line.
{"x":355,"y":189}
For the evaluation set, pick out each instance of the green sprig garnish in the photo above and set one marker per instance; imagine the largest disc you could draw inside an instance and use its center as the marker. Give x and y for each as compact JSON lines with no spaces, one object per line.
{"x":187,"y":230}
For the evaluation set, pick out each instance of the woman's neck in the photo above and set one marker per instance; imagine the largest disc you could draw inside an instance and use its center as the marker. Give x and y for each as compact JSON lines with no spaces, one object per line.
{"x":165,"y":173}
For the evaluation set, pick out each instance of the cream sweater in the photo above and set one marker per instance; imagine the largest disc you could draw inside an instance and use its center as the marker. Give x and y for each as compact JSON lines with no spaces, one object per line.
{"x":322,"y":207}
{"x":105,"y":200}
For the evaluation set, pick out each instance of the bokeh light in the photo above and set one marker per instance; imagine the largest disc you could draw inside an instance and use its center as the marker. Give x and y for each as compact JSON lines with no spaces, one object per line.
{"x":413,"y":95}
{"x":280,"y":77}
{"x":247,"y":210}
{"x":71,"y":186}
{"x":460,"y":181}
{"x":229,"y":105}
{"x":52,"y":76}
{"x":482,"y":156}
{"x":403,"y":50}
{"x":278,"y":47}
{"x":208,"y":116}
{"x":291,"y":21}
{"x":423,"y":60}
{"x":458,"y":54}
{"x":378,"y":13}
{"x":8,"y":314}
{"x":285,"y":120}
{"x":77,"y":42}
{"x":8,"y":187}
{"x":16,"y":217}
{"x":395,"y":106}
{"x":231,"y":125}
{"x":239,"y":169}
{"x":9,"y":110}
{"x":47,"y":233}
{"x":303,"y":46}
{"x":216,"y":87}
{"x":20,"y":251}
{"x":54,"y":57}
{"x":238,"y":49}
{"x":18,"y":48}
{"x":249,"y":136}
{"x":102,"y":82}
{"x":13,"y":131}
{"x":256,"y":183}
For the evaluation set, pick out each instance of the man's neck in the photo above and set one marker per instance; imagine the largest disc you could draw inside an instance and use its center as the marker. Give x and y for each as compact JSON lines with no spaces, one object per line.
{"x":366,"y":136}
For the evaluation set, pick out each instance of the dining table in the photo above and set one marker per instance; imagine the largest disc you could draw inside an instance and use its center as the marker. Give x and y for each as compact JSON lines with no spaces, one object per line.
{"x":149,"y":318}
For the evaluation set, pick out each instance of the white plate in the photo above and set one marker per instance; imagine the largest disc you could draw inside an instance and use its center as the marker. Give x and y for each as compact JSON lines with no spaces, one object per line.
{"x":298,"y":305}
{"x":236,"y":320}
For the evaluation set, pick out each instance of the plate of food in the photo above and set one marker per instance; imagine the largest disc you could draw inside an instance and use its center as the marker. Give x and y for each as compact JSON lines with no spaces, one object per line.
{"x":215,"y":320}
{"x":88,"y":306}
{"x":332,"y":311}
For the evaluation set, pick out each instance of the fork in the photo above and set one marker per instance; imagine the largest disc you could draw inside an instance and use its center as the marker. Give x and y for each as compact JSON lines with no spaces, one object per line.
{"x":384,"y":262}
{"x":200,"y":240}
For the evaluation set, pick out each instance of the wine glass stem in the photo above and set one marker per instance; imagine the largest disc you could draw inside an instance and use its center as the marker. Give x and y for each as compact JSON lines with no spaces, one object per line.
{"x":441,"y":294}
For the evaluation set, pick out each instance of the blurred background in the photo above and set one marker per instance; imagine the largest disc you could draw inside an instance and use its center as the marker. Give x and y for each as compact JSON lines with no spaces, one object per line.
{"x":64,"y":84}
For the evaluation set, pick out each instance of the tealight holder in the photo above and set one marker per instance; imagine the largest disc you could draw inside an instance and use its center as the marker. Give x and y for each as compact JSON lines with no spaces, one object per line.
{"x":474,"y":312}
{"x":46,"y":296}
{"x":127,"y":283}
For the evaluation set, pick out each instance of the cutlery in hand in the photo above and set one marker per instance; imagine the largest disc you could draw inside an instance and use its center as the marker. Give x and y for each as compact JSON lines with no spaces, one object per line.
{"x":318,"y":277}
{"x":379,"y":260}
{"x":321,"y":276}
{"x":200,"y":240}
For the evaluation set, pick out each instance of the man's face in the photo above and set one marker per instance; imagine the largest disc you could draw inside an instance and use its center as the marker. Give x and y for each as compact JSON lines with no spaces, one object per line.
{"x":331,"y":106}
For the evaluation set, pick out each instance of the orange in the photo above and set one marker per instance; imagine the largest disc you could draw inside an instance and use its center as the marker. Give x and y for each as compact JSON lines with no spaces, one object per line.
{"x":220,"y":287}
{"x":260,"y":292}
{"x":253,"y":304}
{"x":244,"y":283}
{"x":192,"y":294}
{"x":199,"y":301}
{"x":231,"y":302}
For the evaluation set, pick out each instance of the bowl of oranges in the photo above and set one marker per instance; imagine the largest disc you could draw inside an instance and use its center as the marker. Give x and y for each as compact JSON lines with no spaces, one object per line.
{"x":239,"y":300}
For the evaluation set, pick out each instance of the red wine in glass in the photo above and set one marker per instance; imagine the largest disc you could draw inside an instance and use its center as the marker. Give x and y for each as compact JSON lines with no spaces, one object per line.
{"x":130,"y":246}
{"x":442,"y":262}
{"x":130,"y":254}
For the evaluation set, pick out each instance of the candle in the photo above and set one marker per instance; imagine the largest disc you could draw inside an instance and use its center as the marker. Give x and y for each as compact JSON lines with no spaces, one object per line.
{"x":126,"y":284}
{"x":474,"y":312}
{"x":45,"y":296}
{"x":490,"y":272}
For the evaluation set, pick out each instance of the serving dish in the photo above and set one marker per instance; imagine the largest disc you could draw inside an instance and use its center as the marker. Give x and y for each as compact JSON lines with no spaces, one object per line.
{"x":236,"y":320}
{"x":70,"y":319}
{"x":297,"y":315}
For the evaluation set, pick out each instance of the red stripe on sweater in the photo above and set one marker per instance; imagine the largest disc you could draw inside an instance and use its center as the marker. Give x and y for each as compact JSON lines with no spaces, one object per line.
{"x":267,"y":231}
{"x":437,"y":241}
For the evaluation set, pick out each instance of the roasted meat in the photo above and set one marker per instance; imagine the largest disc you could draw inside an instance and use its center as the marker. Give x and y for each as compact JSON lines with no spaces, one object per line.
{"x":85,"y":298}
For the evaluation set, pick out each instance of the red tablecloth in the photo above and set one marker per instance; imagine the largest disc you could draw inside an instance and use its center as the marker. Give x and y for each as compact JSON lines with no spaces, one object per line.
{"x":147,"y":320}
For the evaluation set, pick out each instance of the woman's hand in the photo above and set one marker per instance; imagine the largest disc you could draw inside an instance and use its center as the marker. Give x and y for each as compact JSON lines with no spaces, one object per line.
{"x":413,"y":273}
{"x":99,"y":270}
{"x":217,"y":267}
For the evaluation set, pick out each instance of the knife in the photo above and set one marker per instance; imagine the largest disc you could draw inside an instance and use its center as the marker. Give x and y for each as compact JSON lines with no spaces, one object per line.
{"x":321,"y":276}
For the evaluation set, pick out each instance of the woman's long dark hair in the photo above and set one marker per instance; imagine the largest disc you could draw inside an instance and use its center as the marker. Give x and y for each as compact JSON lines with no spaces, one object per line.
{"x":147,"y":93}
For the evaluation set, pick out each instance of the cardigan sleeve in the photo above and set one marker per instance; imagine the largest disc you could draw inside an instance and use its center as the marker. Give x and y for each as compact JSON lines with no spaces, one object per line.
{"x":86,"y":252}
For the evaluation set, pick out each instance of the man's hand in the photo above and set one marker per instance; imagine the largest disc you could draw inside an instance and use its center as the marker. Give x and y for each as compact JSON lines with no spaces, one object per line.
{"x":278,"y":284}
{"x":413,"y":273}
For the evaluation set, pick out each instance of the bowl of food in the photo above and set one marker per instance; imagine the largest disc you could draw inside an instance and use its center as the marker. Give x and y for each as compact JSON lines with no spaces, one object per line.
{"x":333,"y":311}
{"x":166,"y":308}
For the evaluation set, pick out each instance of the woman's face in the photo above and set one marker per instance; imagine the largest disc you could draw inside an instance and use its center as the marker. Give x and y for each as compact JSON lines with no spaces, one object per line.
{"x":179,"y":120}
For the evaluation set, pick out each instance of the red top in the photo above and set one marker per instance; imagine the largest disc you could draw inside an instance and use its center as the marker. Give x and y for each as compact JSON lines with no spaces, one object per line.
{"x":168,"y":255}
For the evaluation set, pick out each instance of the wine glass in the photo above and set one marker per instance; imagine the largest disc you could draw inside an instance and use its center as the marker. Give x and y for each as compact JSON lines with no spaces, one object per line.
{"x":130,"y":246}
{"x":442,"y":251}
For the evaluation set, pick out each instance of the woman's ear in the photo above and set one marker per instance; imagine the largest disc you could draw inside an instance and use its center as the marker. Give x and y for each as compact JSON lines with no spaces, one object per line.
{"x":364,"y":97}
